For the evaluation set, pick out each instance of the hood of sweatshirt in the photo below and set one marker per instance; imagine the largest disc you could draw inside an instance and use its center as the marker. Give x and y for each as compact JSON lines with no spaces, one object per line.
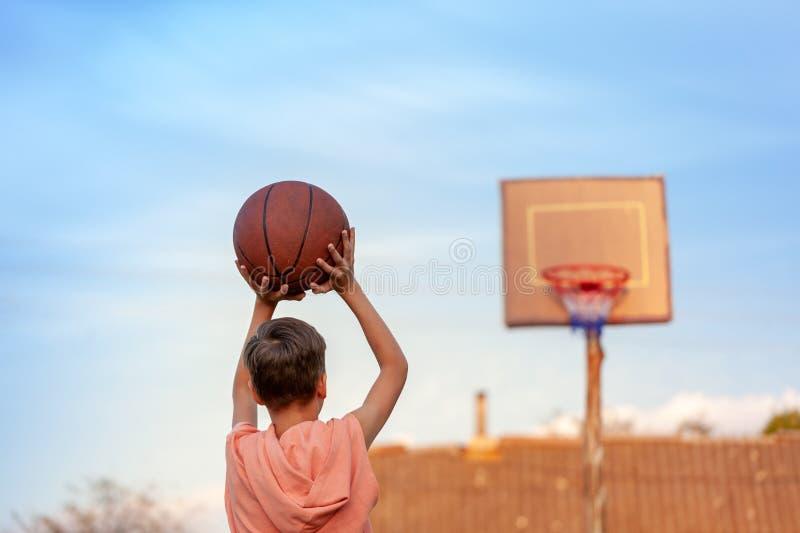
{"x":313,"y":473}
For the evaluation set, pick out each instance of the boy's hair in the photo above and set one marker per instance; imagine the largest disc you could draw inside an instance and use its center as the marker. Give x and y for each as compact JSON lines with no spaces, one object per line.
{"x":285,"y":358}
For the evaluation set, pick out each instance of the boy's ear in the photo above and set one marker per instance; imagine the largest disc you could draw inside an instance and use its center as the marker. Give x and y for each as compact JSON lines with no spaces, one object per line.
{"x":322,"y":386}
{"x":256,"y":397}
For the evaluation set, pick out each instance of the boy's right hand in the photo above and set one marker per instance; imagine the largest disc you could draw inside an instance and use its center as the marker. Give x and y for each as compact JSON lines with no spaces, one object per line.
{"x":383,"y":394}
{"x":262,"y":290}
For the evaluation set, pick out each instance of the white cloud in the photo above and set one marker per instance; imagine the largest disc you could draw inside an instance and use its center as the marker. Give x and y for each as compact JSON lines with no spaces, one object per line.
{"x":725,"y":415}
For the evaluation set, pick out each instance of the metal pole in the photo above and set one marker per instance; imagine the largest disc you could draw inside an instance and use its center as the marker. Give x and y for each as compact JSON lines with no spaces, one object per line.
{"x":594,"y":491}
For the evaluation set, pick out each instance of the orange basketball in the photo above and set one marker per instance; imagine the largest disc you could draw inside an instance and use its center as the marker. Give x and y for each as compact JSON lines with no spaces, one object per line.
{"x":282,"y":229}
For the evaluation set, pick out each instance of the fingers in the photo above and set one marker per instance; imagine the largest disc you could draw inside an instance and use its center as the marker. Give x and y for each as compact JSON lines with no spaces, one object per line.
{"x":281,"y":293}
{"x":348,"y":247}
{"x":242,"y":270}
{"x":335,"y":255}
{"x":263,"y":287}
{"x":251,"y":277}
{"x":324,"y":265}
{"x":319,"y":289}
{"x":346,"y":242}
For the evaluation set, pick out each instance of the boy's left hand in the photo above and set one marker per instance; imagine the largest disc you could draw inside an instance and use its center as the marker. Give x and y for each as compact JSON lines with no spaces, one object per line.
{"x":262,"y":290}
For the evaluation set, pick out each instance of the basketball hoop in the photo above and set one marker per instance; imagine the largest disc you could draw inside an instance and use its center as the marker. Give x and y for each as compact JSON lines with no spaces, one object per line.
{"x":588,"y":291}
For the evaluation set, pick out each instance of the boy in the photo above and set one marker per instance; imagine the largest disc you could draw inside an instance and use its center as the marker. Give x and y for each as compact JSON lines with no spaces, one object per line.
{"x":302,"y":474}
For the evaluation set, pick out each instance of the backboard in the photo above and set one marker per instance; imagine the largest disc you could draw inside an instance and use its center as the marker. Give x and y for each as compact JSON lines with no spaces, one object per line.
{"x":614,"y":221}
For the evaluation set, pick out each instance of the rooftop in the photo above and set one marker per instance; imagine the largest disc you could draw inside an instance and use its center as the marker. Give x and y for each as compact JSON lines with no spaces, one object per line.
{"x":654,"y":484}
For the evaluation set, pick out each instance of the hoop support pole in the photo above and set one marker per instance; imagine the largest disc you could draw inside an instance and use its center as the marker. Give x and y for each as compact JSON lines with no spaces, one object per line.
{"x":594,"y":490}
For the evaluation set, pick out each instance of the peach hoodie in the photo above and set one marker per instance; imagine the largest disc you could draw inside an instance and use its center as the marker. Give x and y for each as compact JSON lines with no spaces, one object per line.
{"x":315,"y":477}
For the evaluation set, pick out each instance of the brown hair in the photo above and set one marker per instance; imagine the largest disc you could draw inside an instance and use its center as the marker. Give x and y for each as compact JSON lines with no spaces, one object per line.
{"x":285,"y":359}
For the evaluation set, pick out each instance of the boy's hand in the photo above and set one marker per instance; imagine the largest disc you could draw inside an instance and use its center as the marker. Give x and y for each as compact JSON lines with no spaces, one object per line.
{"x":383,"y":395}
{"x":340,"y":275}
{"x":244,"y":407}
{"x":262,"y":290}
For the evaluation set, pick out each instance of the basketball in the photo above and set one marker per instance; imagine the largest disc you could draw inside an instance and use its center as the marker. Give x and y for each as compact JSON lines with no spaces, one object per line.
{"x":282,"y":229}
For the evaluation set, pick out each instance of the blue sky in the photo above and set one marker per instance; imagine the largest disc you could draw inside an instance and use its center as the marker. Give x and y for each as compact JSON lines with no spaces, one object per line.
{"x":132,"y":134}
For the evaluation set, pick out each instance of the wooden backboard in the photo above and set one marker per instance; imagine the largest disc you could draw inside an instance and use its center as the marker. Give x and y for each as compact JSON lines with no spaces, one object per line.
{"x":618,"y":221}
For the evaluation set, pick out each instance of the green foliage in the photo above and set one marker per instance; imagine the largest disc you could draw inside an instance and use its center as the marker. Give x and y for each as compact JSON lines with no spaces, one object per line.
{"x":785,"y":421}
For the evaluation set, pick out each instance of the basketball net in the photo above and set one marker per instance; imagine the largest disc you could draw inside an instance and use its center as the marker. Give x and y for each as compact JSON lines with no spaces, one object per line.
{"x":587,"y":291}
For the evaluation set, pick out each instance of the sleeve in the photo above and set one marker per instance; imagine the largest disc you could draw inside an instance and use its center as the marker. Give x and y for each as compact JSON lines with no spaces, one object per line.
{"x":243,"y":428}
{"x":237,"y":484}
{"x":356,"y":431}
{"x":232,"y":453}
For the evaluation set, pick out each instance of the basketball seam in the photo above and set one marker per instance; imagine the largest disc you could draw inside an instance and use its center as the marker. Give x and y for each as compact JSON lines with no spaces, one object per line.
{"x":274,"y":272}
{"x":308,"y":225}
{"x":244,"y":255}
{"x":270,"y":259}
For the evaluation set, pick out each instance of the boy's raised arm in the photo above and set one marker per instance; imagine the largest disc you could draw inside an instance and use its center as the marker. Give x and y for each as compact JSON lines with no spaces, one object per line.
{"x":384,"y":393}
{"x":244,"y":406}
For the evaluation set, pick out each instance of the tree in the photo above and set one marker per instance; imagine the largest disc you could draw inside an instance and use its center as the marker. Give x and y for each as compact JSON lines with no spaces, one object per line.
{"x":785,"y":421}
{"x":103,"y":506}
{"x":694,"y":427}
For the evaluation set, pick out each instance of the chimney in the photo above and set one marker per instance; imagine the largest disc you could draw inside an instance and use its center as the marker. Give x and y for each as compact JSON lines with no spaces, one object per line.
{"x":481,"y":447}
{"x":480,"y":414}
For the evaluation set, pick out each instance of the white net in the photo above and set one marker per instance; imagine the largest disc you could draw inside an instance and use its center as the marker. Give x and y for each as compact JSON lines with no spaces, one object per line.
{"x":587,"y":291}
{"x":588,"y":309}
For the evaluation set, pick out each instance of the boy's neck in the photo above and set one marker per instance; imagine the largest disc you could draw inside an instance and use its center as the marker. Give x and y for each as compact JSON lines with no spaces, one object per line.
{"x":293,"y":414}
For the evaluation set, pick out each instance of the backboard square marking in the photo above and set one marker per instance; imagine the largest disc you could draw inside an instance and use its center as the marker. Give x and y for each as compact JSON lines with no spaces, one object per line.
{"x":643,"y":281}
